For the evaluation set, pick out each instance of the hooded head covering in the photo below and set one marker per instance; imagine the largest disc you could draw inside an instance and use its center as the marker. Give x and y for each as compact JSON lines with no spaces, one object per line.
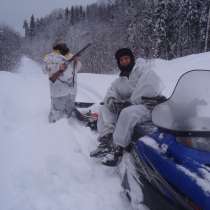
{"x":125,"y":70}
{"x":62,"y":48}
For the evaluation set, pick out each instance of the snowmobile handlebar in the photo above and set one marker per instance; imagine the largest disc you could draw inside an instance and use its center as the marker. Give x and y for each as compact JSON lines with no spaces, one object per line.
{"x":157,"y":99}
{"x":151,"y":102}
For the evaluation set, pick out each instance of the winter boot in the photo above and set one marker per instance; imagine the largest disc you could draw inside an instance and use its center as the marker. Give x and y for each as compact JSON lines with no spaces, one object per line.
{"x":113,"y":157}
{"x":104,"y":146}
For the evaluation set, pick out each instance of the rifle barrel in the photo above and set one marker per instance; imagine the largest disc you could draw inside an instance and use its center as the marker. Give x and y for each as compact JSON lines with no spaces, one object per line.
{"x":78,"y":53}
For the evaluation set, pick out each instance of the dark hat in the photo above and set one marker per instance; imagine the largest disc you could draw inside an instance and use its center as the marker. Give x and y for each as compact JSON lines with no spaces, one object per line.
{"x":125,"y":70}
{"x":123,"y":52}
{"x":62,"y":47}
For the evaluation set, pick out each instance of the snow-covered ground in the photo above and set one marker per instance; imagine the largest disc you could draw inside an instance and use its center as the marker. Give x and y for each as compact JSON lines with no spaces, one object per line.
{"x":47,"y":166}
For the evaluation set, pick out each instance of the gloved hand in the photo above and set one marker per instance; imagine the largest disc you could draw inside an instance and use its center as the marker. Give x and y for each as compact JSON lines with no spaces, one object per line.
{"x":116,"y":106}
{"x":62,"y":67}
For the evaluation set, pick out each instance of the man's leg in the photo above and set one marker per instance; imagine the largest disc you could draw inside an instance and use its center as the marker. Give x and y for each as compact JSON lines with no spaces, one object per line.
{"x":127,"y":120}
{"x":106,"y":124}
{"x":106,"y":121}
{"x":69,"y":104}
{"x":57,"y":110}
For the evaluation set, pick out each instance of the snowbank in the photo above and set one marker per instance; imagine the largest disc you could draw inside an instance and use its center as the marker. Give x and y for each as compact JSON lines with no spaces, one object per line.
{"x":47,"y":166}
{"x":170,"y":71}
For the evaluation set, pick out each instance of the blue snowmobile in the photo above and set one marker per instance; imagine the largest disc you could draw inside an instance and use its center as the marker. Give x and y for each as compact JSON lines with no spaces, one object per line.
{"x":169,"y":168}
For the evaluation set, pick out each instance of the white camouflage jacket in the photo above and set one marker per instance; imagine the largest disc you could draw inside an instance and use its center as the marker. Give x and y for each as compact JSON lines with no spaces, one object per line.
{"x":67,"y":83}
{"x":141,"y":82}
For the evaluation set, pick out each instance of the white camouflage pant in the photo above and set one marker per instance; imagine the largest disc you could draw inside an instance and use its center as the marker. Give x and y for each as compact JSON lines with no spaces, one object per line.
{"x":122,"y":128}
{"x":61,"y":107}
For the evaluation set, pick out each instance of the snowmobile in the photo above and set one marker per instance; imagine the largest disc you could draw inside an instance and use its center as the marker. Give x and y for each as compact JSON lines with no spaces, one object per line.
{"x":168,"y":166}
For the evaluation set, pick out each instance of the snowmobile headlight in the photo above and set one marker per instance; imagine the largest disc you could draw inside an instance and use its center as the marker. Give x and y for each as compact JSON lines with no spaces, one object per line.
{"x":199,"y":143}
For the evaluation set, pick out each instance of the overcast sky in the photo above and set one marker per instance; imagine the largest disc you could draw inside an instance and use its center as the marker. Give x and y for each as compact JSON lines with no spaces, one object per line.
{"x":14,"y":12}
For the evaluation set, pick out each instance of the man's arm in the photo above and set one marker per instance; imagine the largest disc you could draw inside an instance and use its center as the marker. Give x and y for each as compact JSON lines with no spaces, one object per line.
{"x":63,"y":67}
{"x":58,"y":73}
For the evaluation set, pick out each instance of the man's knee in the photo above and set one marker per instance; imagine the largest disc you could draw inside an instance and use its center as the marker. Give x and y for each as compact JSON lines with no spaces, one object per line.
{"x":126,"y":111}
{"x":134,"y":110}
{"x":131,"y":110}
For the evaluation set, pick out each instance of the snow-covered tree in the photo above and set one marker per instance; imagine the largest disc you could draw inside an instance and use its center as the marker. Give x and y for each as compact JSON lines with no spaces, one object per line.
{"x":32,"y":27}
{"x":157,"y":28}
{"x":10,"y":50}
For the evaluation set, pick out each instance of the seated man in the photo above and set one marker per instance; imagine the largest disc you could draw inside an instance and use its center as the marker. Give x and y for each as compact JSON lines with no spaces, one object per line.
{"x":123,"y":107}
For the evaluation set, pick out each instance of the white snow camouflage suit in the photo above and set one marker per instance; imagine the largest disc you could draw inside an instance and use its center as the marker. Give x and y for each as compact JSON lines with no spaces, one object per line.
{"x":141,"y":82}
{"x":63,"y":90}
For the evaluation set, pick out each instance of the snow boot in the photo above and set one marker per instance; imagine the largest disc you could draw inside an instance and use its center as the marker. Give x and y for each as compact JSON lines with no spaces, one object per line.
{"x":104,"y":147}
{"x":113,"y":157}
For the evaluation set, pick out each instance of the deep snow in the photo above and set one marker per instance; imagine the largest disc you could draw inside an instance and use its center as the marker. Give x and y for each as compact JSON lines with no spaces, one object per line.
{"x":47,"y":166}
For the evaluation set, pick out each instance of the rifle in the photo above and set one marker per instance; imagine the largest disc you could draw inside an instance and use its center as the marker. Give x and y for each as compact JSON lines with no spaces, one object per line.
{"x":78,"y":53}
{"x":55,"y":76}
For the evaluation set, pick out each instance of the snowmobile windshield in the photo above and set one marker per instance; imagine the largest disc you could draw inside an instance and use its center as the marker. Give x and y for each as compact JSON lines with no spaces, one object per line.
{"x":188,"y":109}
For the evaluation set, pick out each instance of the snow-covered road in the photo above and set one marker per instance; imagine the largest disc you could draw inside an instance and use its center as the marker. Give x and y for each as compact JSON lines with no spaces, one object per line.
{"x":47,"y":166}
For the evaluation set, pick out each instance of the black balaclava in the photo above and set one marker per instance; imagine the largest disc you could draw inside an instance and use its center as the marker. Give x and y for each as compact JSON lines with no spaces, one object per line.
{"x":125,"y":70}
{"x":62,"y":48}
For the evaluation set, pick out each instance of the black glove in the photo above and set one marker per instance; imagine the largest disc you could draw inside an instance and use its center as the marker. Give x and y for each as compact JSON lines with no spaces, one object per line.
{"x":115,"y":106}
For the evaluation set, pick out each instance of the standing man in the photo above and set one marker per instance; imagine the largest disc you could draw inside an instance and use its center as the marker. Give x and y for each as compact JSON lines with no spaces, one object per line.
{"x":63,"y":81}
{"x":123,"y":107}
